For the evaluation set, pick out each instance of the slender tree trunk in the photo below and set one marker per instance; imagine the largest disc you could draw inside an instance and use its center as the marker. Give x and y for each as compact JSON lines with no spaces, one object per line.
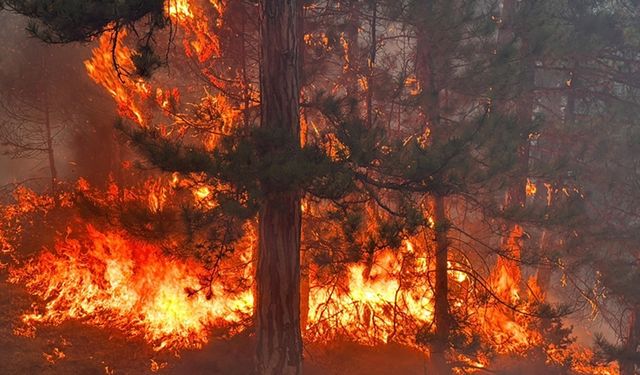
{"x":628,"y":367}
{"x":305,"y":290}
{"x":506,"y":32}
{"x":522,"y":108}
{"x":246,"y":94}
{"x":49,"y":139}
{"x":430,"y":108}
{"x":351,"y":57}
{"x":371,"y":64}
{"x":516,"y":195}
{"x":279,"y":342}
{"x":441,"y":292}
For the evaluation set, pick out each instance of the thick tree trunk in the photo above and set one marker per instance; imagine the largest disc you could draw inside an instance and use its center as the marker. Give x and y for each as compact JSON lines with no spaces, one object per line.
{"x":430,"y":108}
{"x":279,"y":342}
{"x":426,"y":74}
{"x":279,"y":348}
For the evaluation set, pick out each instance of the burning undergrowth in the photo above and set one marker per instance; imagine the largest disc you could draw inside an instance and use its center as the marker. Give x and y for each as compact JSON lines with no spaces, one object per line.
{"x":110,"y":280}
{"x":110,"y":277}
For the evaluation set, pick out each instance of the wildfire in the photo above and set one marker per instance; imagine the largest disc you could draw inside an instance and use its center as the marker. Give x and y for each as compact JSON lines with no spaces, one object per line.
{"x":370,"y":306}
{"x":198,"y":39}
{"x":107,"y":278}
{"x":111,"y":280}
{"x":531,"y":188}
{"x":179,"y":9}
{"x":129,"y":93}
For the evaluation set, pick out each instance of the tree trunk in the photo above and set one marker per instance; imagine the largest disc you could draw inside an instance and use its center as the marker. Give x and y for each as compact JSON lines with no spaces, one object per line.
{"x":426,"y":74}
{"x":516,"y":195}
{"x":279,"y":349}
{"x":628,"y":367}
{"x":430,"y":108}
{"x":49,"y":140}
{"x":279,"y":342}
{"x":246,"y":94}
{"x":441,"y":289}
{"x":522,"y":108}
{"x":305,"y":288}
{"x":371,"y":64}
{"x":351,"y":56}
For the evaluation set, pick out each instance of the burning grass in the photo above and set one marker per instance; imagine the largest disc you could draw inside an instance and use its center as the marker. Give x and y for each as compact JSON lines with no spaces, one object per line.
{"x":109,"y":280}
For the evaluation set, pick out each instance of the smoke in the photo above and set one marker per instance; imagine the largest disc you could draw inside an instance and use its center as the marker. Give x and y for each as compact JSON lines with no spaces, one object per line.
{"x":34,"y":78}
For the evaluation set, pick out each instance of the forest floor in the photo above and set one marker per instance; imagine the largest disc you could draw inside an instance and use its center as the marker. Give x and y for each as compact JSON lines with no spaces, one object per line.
{"x":74,"y":348}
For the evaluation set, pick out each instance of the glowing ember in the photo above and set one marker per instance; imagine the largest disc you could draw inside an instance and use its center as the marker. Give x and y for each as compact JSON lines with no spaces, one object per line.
{"x":531,"y":188}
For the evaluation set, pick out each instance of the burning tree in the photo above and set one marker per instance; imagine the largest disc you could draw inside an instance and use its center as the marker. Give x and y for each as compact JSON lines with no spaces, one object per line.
{"x":389,"y":173}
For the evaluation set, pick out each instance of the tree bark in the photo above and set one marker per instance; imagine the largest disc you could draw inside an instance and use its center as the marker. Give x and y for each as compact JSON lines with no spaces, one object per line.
{"x":47,"y":125}
{"x":279,"y":349}
{"x":351,"y":56}
{"x":279,"y":342}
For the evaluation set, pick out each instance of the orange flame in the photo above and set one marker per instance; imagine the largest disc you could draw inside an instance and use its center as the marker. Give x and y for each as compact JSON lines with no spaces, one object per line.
{"x":128,"y":93}
{"x":110,"y":280}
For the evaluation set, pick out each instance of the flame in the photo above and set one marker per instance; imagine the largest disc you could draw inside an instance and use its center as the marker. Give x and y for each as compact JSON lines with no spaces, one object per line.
{"x":129,"y":93}
{"x":179,"y":9}
{"x":111,"y":280}
{"x":509,"y":329}
{"x":157,"y":195}
{"x":364,"y":307}
{"x":531,"y":188}
{"x":198,"y":39}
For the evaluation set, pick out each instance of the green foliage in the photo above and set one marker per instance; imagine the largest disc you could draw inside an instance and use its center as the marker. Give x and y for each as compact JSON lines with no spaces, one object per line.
{"x":65,"y":21}
{"x":251,"y":165}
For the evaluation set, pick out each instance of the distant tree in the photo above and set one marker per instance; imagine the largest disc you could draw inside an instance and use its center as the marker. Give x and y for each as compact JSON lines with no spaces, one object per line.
{"x":31,"y":118}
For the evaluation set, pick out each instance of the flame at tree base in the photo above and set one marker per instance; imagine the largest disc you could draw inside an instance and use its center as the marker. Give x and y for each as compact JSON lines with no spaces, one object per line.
{"x":108,"y":279}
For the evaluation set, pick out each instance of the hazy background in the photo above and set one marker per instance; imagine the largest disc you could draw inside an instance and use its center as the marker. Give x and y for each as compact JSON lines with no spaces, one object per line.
{"x":82,"y":114}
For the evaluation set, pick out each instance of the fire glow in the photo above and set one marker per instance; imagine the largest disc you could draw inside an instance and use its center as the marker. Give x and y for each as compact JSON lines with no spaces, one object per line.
{"x":109,"y":278}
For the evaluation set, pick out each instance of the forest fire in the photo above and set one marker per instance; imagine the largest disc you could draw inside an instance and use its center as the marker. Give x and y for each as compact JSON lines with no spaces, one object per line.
{"x":107,"y":279}
{"x":302,"y":174}
{"x":110,"y":281}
